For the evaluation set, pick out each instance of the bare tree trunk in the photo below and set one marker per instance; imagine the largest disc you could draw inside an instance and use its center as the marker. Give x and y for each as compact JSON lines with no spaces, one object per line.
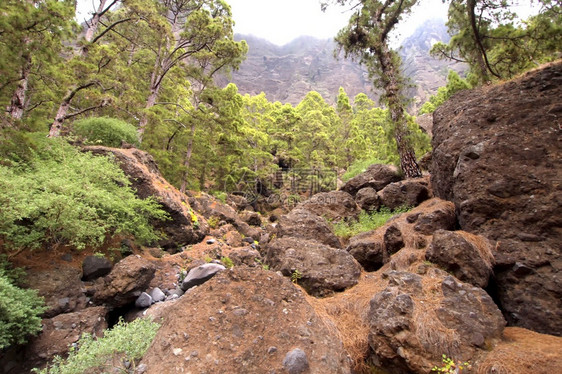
{"x":62,"y":112}
{"x":17,"y":104}
{"x":481,"y":57}
{"x":187,"y":160}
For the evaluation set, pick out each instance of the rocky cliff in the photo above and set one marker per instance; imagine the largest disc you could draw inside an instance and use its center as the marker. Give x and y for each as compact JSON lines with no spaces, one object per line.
{"x":497,"y":155}
{"x":288,"y":73}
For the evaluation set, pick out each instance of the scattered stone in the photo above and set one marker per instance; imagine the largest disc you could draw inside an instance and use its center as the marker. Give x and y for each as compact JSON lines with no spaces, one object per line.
{"x":94,"y":267}
{"x":211,"y":241}
{"x":157,"y":295}
{"x":251,"y":218}
{"x":143,"y":301}
{"x":200,"y":275}
{"x":295,"y":361}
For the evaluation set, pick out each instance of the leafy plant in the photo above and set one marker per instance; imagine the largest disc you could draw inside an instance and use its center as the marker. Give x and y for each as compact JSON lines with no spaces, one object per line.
{"x":124,"y":342}
{"x":295,"y":276}
{"x":213,"y":222}
{"x":450,"y":367}
{"x":260,"y":262}
{"x":64,"y":196}
{"x":194,"y":219}
{"x":106,"y":131}
{"x":366,"y":222}
{"x":20,"y":310}
{"x":227,"y":262}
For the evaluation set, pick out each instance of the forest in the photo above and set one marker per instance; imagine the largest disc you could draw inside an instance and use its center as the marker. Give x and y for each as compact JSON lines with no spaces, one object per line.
{"x":142,"y":73}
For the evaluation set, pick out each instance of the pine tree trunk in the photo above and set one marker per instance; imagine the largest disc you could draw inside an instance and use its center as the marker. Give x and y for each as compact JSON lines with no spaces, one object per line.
{"x":17,"y":104}
{"x":187,"y":160}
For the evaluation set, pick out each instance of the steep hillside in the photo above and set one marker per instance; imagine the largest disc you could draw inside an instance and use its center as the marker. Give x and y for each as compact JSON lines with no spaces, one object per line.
{"x":306,"y":64}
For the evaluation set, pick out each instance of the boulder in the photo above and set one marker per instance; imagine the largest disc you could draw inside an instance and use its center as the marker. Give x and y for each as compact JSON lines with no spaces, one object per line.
{"x":468,"y":257}
{"x":496,"y":155}
{"x":300,"y":223}
{"x":157,"y":295}
{"x":322,"y":269}
{"x":124,"y":284}
{"x":144,"y":301}
{"x":296,"y":362}
{"x":376,"y":176}
{"x":334,"y":206}
{"x":200,"y":275}
{"x":94,"y":267}
{"x":251,"y":218}
{"x":416,"y":319}
{"x":368,"y":199}
{"x":63,"y":330}
{"x":373,"y":249}
{"x":62,"y":289}
{"x":245,"y":256}
{"x":409,"y":192}
{"x":243,"y":320}
{"x":185,"y":226}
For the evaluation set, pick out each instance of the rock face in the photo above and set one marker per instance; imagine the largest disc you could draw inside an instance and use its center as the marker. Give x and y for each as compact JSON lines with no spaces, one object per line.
{"x":496,"y":155}
{"x":244,"y":320}
{"x":323,"y":269}
{"x":416,"y":319}
{"x":376,"y":176}
{"x":300,"y":223}
{"x":128,"y":279}
{"x":146,"y":179}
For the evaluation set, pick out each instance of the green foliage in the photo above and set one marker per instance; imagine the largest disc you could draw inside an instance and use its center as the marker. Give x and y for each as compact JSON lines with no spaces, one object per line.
{"x":213,"y":222}
{"x":227,"y":262}
{"x":20,"y":309}
{"x":295,"y":276}
{"x":454,"y":84}
{"x":260,"y":262}
{"x":64,"y":196}
{"x":450,"y":367}
{"x":125,"y":341}
{"x":366,"y":222}
{"x":111,"y":132}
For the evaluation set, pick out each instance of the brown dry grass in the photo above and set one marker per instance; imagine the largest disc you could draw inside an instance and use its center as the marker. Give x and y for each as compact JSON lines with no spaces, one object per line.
{"x":522,"y":352}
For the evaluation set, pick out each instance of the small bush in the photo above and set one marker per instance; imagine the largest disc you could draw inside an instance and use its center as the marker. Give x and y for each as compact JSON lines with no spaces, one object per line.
{"x":110,"y":132}
{"x":20,"y":310}
{"x":366,"y":222}
{"x":63,"y":196}
{"x":125,"y":341}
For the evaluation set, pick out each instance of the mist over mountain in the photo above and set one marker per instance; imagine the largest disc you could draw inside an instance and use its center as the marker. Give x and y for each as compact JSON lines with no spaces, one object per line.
{"x":287,"y":73}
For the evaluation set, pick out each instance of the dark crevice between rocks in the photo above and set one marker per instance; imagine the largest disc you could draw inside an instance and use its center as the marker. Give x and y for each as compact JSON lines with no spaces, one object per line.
{"x":493,"y":290}
{"x":125,"y":312}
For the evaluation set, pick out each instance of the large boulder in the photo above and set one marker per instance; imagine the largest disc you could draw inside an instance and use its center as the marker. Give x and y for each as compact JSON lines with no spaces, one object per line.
{"x":413,"y":229}
{"x":468,"y":257}
{"x":368,"y":199}
{"x":409,"y":192}
{"x":185,"y":226}
{"x":322,"y":269}
{"x":125,"y":283}
{"x":94,"y":267}
{"x":334,"y":206}
{"x":496,"y":155}
{"x":244,"y":320}
{"x":418,"y":318}
{"x":376,"y":176}
{"x":61,"y":331}
{"x":61,"y":288}
{"x":301,"y":223}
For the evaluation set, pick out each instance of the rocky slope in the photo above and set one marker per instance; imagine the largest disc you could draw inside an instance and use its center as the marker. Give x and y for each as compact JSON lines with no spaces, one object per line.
{"x":288,"y":73}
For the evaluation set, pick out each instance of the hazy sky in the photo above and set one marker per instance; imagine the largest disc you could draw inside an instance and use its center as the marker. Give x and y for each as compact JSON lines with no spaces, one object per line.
{"x":281,"y":21}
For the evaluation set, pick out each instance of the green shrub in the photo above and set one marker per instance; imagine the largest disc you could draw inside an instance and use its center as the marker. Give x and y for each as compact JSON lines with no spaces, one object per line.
{"x":360,"y":166}
{"x":125,"y":341}
{"x":106,"y":131}
{"x":20,"y":311}
{"x":63,"y":196}
{"x":366,"y":222}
